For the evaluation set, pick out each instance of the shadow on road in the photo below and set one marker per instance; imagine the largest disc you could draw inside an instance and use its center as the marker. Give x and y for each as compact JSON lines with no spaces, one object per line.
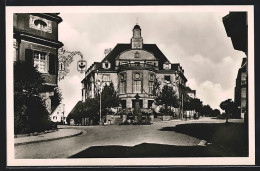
{"x":223,"y":141}
{"x":141,"y":150}
{"x":231,"y":140}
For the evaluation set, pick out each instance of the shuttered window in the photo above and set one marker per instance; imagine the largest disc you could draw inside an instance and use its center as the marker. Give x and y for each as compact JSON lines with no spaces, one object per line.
{"x":40,"y":61}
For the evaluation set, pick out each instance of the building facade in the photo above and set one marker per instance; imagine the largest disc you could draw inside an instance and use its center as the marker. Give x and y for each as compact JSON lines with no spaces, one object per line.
{"x":236,"y":26}
{"x":240,"y":90}
{"x":35,"y":41}
{"x":133,"y":68}
{"x":58,"y":115}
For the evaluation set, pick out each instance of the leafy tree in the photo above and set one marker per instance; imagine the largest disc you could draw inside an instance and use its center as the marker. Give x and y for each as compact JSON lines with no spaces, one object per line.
{"x":156,"y":87}
{"x":167,"y":98}
{"x":30,"y":114}
{"x":88,"y":109}
{"x":193,"y":104}
{"x":228,"y":107}
{"x":92,"y":110}
{"x":215,"y":113}
{"x":109,"y":97}
{"x":206,"y":110}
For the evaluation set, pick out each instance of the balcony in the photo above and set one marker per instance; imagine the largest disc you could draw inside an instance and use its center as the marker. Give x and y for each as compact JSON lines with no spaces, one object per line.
{"x":137,"y":66}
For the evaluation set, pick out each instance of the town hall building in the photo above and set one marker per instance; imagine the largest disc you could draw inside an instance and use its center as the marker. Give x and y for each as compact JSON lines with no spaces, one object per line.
{"x":133,"y":68}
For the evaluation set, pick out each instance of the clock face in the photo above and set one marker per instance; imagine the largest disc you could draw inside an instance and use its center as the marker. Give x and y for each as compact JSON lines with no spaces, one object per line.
{"x":137,"y":75}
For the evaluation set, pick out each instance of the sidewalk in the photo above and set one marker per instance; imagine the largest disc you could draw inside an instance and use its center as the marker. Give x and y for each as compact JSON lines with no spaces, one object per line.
{"x":61,"y":133}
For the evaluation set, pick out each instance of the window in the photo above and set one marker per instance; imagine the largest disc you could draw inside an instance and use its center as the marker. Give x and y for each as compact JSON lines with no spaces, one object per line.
{"x":140,"y":103}
{"x":40,"y":61}
{"x":167,"y":78}
{"x":123,"y":103}
{"x":151,"y":87}
{"x":137,"y":55}
{"x":122,"y":87}
{"x":243,"y":76}
{"x":61,"y":66}
{"x":124,"y":63}
{"x":151,"y":76}
{"x":122,"y":84}
{"x":167,"y":65}
{"x":243,"y":92}
{"x":106,"y":78}
{"x":106,"y":65}
{"x":137,"y":63}
{"x":137,"y":86}
{"x":150,"y":104}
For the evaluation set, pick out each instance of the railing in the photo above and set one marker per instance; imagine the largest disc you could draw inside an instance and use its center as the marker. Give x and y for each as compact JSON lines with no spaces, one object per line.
{"x":137,"y":66}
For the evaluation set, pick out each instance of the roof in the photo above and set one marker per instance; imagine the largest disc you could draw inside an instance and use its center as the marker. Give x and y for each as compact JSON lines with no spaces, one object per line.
{"x":72,"y":112}
{"x":119,"y":48}
{"x":137,"y":27}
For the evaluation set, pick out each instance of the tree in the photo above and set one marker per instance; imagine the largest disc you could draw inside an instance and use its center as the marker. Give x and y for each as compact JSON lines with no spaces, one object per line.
{"x":109,"y":97}
{"x":167,"y":98}
{"x":215,"y":113}
{"x":227,"y":106}
{"x":206,"y":110}
{"x":193,"y":104}
{"x":156,"y":87}
{"x":92,"y":110}
{"x":30,"y":114}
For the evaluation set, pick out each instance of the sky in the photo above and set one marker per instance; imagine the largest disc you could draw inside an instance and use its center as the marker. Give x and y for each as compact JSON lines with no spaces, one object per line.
{"x":196,"y":40}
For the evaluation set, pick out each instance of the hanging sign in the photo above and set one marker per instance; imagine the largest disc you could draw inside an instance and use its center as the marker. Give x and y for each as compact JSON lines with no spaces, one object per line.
{"x":82,"y":64}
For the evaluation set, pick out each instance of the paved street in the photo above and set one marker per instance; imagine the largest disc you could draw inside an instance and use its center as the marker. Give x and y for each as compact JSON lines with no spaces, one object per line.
{"x":125,"y":135}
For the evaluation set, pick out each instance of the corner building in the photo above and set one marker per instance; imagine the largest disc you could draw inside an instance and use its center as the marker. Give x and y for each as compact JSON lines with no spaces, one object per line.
{"x":133,"y":69}
{"x":35,"y":41}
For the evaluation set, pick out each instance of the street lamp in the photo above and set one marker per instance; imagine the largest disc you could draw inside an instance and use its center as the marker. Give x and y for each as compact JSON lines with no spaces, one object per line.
{"x":99,"y":88}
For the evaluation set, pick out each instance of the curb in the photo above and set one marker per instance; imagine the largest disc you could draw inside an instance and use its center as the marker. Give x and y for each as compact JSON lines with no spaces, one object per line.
{"x":202,"y":143}
{"x":51,"y":139}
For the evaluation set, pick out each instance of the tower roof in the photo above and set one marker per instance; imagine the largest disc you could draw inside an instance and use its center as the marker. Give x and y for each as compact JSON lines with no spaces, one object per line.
{"x":137,"y":27}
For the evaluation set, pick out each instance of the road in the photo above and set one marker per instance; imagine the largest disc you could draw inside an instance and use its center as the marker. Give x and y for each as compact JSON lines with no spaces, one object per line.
{"x":124,"y":135}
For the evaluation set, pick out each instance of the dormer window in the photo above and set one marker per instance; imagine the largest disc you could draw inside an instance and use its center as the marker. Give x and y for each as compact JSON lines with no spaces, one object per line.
{"x":106,"y":65}
{"x":167,"y":78}
{"x":167,"y":65}
{"x":137,"y":55}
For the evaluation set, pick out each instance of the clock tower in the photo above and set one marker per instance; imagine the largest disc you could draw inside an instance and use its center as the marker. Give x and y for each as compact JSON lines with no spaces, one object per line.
{"x":137,"y":40}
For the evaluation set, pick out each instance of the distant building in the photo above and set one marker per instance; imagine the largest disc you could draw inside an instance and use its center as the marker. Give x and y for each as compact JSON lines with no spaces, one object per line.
{"x":133,"y":68}
{"x":35,"y":41}
{"x":58,"y":115}
{"x":240,"y":90}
